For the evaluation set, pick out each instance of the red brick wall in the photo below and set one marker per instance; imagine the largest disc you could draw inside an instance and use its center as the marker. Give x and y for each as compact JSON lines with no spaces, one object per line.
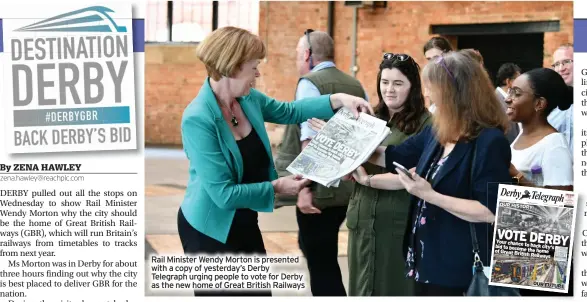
{"x":173,"y":75}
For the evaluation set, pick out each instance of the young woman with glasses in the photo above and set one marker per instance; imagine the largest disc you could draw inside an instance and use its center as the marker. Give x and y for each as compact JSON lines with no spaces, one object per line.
{"x":540,"y":154}
{"x":377,"y":219}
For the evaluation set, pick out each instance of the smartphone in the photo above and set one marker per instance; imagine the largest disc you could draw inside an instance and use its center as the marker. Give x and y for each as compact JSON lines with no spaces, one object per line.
{"x":404,"y":170}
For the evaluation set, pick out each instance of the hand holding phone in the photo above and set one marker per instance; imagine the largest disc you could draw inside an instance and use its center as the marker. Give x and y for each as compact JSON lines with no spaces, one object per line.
{"x":404,"y":170}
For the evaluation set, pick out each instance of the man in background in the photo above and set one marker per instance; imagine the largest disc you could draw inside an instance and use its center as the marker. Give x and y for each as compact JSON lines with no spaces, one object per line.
{"x":563,"y":120}
{"x":320,"y":211}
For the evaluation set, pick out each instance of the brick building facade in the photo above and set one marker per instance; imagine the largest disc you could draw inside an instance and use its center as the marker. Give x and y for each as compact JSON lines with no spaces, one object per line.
{"x":173,"y":75}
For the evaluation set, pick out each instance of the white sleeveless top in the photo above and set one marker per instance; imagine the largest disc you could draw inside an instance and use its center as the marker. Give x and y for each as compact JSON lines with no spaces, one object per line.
{"x":552,"y":154}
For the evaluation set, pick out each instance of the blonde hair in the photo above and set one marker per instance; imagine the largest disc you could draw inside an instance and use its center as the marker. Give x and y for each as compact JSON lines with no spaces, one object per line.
{"x":467,"y":102}
{"x":227,"y":48}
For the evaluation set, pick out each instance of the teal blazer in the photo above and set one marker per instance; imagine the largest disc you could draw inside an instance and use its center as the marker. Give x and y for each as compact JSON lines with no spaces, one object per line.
{"x":214,"y":190}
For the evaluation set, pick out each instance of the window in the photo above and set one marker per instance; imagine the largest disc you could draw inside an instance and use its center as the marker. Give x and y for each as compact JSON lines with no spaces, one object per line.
{"x":156,"y":22}
{"x":243,"y":14}
{"x":194,"y":20}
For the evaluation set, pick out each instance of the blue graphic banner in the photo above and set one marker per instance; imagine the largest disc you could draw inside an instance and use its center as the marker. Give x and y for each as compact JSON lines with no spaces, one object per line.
{"x":62,"y":117}
{"x":580,"y":28}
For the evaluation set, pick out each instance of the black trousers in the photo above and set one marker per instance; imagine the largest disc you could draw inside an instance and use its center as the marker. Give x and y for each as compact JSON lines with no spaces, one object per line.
{"x":244,"y":238}
{"x":318,"y":240}
{"x":427,"y":289}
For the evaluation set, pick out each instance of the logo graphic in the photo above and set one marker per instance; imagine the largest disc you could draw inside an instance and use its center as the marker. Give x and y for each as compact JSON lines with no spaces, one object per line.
{"x":69,"y":80}
{"x":526,"y":195}
{"x":90,"y":19}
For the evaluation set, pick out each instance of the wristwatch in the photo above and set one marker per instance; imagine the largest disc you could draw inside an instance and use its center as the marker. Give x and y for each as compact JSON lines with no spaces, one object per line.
{"x":368,"y":182}
{"x":518,"y":177}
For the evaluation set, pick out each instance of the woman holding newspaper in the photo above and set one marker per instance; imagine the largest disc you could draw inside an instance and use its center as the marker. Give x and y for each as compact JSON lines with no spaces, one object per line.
{"x":458,"y":163}
{"x":232,"y":176}
{"x":376,"y":219}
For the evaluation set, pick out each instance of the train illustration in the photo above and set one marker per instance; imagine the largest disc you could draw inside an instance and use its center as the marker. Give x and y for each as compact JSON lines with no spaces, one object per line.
{"x":518,"y":271}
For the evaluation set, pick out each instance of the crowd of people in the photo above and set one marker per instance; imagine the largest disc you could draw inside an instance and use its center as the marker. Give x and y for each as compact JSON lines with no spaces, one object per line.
{"x":459,"y":132}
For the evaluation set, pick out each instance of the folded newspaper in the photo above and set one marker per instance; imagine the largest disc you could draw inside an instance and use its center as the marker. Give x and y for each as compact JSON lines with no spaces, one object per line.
{"x":533,"y":240}
{"x":340,"y":147}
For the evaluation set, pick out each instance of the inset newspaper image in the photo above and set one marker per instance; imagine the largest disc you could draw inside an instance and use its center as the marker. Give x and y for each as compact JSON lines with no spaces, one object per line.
{"x":533,"y":239}
{"x":320,"y":167}
{"x":340,"y":147}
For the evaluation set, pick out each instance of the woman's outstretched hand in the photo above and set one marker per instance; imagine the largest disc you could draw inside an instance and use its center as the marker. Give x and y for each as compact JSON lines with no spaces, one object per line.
{"x":352,"y":103}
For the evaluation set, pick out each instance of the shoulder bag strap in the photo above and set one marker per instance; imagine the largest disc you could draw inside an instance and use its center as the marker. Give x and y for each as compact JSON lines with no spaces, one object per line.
{"x":477,"y":260}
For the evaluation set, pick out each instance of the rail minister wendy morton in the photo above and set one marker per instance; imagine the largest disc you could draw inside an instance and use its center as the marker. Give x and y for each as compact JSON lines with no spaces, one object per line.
{"x":225,"y":259}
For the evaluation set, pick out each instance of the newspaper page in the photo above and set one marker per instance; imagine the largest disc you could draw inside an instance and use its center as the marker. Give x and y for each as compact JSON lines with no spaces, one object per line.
{"x":533,"y":239}
{"x":71,"y":170}
{"x":340,"y":147}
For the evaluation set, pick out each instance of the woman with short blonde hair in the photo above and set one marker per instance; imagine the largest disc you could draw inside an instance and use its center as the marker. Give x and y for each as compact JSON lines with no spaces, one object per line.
{"x":231,"y":170}
{"x":224,"y":52}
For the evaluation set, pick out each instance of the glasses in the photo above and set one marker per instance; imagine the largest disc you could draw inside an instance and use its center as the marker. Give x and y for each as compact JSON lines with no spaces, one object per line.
{"x":401,"y":57}
{"x":307,"y":34}
{"x":562,"y":63}
{"x":440,"y":60}
{"x":516,"y":93}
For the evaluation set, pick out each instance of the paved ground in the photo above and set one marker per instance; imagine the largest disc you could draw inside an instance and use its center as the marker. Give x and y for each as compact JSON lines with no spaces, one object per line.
{"x":166,"y":177}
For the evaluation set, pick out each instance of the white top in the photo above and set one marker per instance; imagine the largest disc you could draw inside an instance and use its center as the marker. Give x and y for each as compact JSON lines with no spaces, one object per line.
{"x":552,"y":154}
{"x":562,"y":121}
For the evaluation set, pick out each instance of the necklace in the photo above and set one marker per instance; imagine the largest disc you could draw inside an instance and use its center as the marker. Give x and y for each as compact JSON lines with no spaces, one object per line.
{"x":233,"y":120}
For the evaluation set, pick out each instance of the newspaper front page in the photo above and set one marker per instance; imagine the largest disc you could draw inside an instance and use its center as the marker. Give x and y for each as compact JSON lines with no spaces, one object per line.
{"x":340,"y":147}
{"x":533,"y":239}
